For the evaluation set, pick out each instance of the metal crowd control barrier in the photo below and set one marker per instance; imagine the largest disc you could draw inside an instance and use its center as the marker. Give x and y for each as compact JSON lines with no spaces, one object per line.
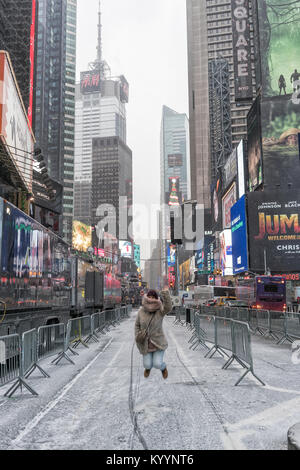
{"x":10,"y":358}
{"x":79,"y":328}
{"x":198,"y":337}
{"x":241,"y":349}
{"x":223,"y":336}
{"x":51,"y":340}
{"x":292,"y":328}
{"x":180,"y":313}
{"x":28,"y":363}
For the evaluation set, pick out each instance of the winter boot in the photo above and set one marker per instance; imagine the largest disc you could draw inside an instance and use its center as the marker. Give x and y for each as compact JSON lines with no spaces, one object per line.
{"x":165,"y":373}
{"x":147,"y":373}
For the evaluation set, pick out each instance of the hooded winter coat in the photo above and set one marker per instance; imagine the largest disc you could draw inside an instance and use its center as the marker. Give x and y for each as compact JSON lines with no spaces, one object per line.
{"x":156,"y":310}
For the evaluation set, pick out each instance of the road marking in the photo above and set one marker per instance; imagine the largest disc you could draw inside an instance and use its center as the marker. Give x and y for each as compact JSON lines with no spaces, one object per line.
{"x":32,"y":424}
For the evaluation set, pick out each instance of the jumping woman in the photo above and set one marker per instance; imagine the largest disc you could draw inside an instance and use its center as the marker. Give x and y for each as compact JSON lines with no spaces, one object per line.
{"x":149,"y":335}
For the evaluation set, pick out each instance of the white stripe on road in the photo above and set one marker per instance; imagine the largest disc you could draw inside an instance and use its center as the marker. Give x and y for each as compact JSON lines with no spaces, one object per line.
{"x":32,"y":424}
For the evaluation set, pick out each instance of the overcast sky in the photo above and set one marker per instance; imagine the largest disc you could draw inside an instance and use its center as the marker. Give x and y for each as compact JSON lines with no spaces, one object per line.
{"x":145,"y":40}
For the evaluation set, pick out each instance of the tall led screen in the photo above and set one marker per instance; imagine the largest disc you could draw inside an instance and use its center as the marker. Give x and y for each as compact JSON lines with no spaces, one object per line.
{"x":239,"y":237}
{"x":274,"y":231}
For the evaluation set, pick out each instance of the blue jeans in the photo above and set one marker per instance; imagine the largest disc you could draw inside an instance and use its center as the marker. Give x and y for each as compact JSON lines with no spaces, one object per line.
{"x":154,"y":359}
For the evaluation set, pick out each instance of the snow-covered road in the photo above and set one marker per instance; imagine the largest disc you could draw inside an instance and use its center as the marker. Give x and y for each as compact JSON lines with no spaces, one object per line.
{"x":104,"y":402}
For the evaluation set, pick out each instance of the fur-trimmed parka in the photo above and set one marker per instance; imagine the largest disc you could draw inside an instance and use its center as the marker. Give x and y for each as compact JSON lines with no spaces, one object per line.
{"x":155,"y":309}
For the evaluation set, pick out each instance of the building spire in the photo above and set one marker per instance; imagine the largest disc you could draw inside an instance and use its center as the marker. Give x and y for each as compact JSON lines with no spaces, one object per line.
{"x":99,"y":45}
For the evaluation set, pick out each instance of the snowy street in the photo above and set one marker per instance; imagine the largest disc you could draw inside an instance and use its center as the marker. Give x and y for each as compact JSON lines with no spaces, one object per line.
{"x":104,"y":401}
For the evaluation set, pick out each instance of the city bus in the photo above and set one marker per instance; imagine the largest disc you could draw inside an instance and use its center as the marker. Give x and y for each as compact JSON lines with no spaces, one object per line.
{"x":263,"y":292}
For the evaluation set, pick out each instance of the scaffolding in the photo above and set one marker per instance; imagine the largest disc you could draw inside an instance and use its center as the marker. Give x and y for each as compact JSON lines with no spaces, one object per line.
{"x":220,"y":115}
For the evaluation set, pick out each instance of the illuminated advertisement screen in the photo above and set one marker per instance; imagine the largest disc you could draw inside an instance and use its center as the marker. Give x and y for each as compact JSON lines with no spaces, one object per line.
{"x":226,"y":252}
{"x":125,"y":248}
{"x":241,"y":168}
{"x":174,"y":196}
{"x":280,"y":121}
{"x":90,"y":82}
{"x":216,"y":203}
{"x":81,"y":236}
{"x":274,"y":232}
{"x":124,"y":89}
{"x":239,"y":237}
{"x":171,"y":255}
{"x":278,"y":30}
{"x":227,"y":202}
{"x":254,"y":146}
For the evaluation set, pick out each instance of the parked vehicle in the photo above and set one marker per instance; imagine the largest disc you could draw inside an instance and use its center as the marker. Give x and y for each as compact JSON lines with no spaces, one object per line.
{"x":41,"y":281}
{"x":263,"y":292}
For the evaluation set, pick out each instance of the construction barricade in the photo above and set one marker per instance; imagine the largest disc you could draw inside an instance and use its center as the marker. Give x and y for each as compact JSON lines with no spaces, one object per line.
{"x":10,"y":358}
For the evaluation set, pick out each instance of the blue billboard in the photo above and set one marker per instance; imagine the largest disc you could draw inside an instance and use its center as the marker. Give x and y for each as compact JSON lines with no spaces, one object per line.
{"x":239,"y":237}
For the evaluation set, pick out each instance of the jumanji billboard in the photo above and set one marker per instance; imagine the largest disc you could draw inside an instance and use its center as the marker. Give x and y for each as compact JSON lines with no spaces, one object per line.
{"x":274,"y":231}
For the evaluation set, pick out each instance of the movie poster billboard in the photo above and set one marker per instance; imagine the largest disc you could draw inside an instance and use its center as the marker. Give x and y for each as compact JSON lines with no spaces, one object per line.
{"x":204,"y":258}
{"x":255,"y":166}
{"x":241,"y":50}
{"x":230,"y":169}
{"x":228,"y":201}
{"x":239,"y":237}
{"x":274,"y":231}
{"x":278,"y":24}
{"x":280,"y":121}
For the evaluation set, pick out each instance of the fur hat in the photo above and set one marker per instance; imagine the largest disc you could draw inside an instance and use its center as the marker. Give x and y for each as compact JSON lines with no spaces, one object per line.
{"x":151,"y":305}
{"x":152,"y":293}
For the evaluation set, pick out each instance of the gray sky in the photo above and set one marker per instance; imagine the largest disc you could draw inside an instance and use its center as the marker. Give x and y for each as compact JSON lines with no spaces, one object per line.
{"x":145,"y":40}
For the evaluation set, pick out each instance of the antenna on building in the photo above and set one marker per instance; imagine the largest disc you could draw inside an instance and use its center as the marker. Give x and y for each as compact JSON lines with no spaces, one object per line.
{"x":99,"y":45}
{"x":99,"y":63}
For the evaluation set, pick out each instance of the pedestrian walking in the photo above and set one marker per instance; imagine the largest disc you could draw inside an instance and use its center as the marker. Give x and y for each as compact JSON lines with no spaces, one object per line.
{"x":149,"y":336}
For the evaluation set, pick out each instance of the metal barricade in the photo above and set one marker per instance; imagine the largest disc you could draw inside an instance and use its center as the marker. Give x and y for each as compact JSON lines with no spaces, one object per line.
{"x":110,"y":318}
{"x":244,"y":314}
{"x":78,"y":329}
{"x":98,"y":320}
{"x":253,"y":320}
{"x":277,"y":325}
{"x":223,"y":338}
{"x":207,"y":325}
{"x":241,"y":349}
{"x":10,"y":358}
{"x":263,"y":322}
{"x":30,"y":354}
{"x":198,"y":337}
{"x":50,"y":340}
{"x":292,"y":327}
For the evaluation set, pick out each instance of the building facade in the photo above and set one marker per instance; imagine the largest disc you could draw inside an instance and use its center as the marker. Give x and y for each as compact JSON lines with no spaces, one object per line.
{"x":111,"y":179}
{"x":54,"y":121}
{"x":16,"y":17}
{"x":210,"y":38}
{"x":98,"y":114}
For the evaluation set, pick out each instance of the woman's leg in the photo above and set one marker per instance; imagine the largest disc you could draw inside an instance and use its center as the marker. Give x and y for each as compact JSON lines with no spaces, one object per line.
{"x":158,"y":360}
{"x":148,"y":361}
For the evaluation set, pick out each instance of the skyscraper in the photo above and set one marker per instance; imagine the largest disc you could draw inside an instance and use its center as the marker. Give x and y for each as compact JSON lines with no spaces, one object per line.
{"x":211,"y":37}
{"x":174,"y":168}
{"x":17,"y":38}
{"x":100,"y":113}
{"x":54,"y":121}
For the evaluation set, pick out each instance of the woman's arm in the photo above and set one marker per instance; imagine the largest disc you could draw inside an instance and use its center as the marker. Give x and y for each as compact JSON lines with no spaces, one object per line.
{"x":137,"y":327}
{"x":167,"y":302}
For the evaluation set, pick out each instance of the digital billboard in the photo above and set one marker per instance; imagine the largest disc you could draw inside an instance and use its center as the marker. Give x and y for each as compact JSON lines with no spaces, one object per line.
{"x":204,"y":258}
{"x":274,"y":232}
{"x":228,"y":201}
{"x":90,"y":82}
{"x":137,"y":255}
{"x":81,"y":236}
{"x":174,"y":196}
{"x":171,"y":255}
{"x":15,"y":131}
{"x":124,"y":89}
{"x":125,"y":248}
{"x":280,"y":122}
{"x":216,"y":205}
{"x":241,"y":168}
{"x":255,"y":166}
{"x":239,"y":237}
{"x":241,"y":50}
{"x":279,"y":39}
{"x":230,"y":169}
{"x":226,"y":252}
